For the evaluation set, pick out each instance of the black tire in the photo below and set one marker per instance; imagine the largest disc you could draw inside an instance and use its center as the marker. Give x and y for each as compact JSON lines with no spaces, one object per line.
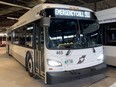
{"x":30,"y":66}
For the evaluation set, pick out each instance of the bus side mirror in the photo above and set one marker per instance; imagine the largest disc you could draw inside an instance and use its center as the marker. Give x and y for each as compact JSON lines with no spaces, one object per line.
{"x":46,"y":21}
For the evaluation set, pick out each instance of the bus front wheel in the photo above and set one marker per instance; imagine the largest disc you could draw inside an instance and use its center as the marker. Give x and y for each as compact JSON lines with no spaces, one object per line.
{"x":30,"y":66}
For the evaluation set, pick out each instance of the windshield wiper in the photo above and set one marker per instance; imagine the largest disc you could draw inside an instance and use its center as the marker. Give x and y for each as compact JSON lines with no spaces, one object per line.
{"x":94,"y":50}
{"x":68,"y":52}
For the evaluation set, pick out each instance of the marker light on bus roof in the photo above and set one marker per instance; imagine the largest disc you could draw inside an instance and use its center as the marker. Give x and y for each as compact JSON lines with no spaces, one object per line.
{"x":74,"y":8}
{"x":54,"y":63}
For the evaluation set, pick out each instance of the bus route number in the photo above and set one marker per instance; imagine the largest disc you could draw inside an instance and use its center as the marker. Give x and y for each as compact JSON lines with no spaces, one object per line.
{"x":59,"y":52}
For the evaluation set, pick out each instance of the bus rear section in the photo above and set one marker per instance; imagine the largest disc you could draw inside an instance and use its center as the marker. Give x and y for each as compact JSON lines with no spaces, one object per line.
{"x":109,"y":42}
{"x":107,"y":20}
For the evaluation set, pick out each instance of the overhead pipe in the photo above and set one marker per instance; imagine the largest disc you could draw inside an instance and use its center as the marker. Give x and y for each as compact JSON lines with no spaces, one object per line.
{"x":14,"y":5}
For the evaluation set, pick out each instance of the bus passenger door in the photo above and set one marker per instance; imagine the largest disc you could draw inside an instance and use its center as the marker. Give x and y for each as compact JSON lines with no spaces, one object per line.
{"x":40,"y":51}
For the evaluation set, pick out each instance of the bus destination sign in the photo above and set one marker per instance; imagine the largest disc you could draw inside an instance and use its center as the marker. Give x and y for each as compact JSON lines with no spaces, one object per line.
{"x":72,"y":13}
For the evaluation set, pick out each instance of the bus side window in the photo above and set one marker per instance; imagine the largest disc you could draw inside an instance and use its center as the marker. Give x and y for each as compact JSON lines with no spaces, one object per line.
{"x":9,"y":38}
{"x":15,"y":37}
{"x":42,"y":36}
{"x":22,"y":32}
{"x":29,"y":36}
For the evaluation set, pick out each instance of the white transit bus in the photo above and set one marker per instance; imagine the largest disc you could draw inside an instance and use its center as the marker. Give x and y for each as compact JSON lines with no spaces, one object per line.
{"x":57,"y":42}
{"x":2,"y":39}
{"x":107,"y":20}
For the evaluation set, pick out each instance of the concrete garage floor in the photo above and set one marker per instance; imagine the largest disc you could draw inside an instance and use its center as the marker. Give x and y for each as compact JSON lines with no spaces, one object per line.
{"x":12,"y":74}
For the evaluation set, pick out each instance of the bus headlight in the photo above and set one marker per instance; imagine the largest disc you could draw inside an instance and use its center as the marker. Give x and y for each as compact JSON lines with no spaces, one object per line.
{"x":101,"y":57}
{"x":54,"y":63}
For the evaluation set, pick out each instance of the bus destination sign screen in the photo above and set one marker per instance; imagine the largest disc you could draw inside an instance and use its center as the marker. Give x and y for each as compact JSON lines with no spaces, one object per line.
{"x":72,"y":13}
{"x":67,"y":13}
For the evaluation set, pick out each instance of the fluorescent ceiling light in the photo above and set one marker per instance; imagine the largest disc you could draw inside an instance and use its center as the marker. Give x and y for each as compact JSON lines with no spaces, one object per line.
{"x":3,"y":34}
{"x":12,"y":18}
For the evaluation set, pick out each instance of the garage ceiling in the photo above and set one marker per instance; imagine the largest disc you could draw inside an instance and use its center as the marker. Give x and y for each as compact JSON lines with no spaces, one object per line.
{"x":10,"y":10}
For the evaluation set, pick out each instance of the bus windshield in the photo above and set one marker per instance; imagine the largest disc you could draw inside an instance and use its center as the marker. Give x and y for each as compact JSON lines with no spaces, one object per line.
{"x":72,"y":34}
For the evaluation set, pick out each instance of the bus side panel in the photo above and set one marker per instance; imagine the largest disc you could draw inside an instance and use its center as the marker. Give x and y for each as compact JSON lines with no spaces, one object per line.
{"x":19,"y":53}
{"x":110,"y":55}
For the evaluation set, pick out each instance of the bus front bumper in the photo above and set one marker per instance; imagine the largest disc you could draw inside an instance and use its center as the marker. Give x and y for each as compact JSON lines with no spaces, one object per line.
{"x":59,"y":77}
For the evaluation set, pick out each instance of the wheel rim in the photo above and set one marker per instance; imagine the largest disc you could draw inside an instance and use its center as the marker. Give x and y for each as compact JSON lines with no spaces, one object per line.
{"x":30,"y":65}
